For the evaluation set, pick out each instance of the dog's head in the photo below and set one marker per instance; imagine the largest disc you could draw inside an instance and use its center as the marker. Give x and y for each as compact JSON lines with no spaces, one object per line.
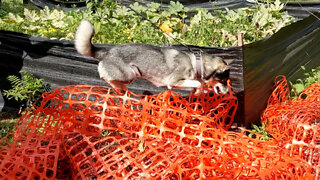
{"x":215,"y":68}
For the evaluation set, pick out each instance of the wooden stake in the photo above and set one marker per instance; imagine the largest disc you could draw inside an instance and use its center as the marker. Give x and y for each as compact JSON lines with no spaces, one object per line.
{"x":240,"y":38}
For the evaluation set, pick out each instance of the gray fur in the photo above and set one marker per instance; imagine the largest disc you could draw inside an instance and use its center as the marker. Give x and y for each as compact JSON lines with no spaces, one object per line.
{"x":162,"y":66}
{"x":152,"y":63}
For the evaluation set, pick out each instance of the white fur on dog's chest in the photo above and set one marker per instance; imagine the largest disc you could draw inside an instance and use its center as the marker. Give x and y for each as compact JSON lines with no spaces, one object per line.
{"x":101,"y":70}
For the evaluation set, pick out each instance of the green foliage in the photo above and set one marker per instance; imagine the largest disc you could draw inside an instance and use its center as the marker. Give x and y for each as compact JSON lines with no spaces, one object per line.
{"x":45,"y":23}
{"x":117,"y":24}
{"x":14,"y":6}
{"x":8,"y":120}
{"x":105,"y":133}
{"x":28,"y":89}
{"x":309,"y":78}
{"x":5,"y":127}
{"x":260,"y":130}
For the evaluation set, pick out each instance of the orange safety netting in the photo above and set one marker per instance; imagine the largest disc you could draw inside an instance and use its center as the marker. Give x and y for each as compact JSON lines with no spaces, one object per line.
{"x":88,"y":132}
{"x":283,"y":115}
{"x":295,"y":123}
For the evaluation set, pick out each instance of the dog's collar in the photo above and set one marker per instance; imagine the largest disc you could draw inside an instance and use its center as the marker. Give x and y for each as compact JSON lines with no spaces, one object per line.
{"x":199,"y":66}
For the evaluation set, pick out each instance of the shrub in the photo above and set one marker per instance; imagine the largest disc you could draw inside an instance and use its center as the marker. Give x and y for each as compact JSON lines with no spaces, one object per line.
{"x":116,"y":24}
{"x":28,"y":89}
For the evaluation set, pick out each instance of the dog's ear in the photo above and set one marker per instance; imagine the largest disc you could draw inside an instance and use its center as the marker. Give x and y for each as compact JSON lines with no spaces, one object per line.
{"x":228,"y":61}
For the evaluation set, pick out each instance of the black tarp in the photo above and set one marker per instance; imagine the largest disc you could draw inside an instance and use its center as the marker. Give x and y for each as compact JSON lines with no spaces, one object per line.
{"x":283,"y":53}
{"x":252,"y":75}
{"x":59,"y":64}
{"x":301,"y":10}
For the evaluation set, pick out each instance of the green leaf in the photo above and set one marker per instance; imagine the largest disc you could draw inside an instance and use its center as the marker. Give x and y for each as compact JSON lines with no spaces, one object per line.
{"x":58,"y":24}
{"x":122,"y":11}
{"x":232,"y":16}
{"x":45,"y":14}
{"x":175,"y":7}
{"x":31,"y":15}
{"x":15,"y":18}
{"x":97,"y":26}
{"x":137,"y":7}
{"x":276,"y":6}
{"x":155,"y":19}
{"x":153,"y":6}
{"x":299,"y":87}
{"x":165,"y":13}
{"x":255,"y":127}
{"x":55,"y":15}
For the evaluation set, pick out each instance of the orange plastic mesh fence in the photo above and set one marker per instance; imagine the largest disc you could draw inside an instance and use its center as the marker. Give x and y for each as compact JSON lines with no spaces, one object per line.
{"x":88,"y":132}
{"x":234,"y":155}
{"x":295,"y":123}
{"x":90,"y":110}
{"x":30,"y":158}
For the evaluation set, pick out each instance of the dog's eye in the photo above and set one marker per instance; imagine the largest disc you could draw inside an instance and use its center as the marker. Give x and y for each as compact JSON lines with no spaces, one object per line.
{"x":223,"y":75}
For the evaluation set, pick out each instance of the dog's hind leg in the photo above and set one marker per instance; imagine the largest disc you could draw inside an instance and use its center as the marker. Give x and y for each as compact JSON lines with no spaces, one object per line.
{"x":116,"y":74}
{"x":118,"y":85}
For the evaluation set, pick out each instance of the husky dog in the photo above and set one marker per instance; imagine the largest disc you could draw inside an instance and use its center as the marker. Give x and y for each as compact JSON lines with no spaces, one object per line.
{"x":162,"y":66}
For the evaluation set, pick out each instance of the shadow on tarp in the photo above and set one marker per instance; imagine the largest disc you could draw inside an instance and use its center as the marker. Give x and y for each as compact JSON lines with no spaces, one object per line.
{"x":58,"y":63}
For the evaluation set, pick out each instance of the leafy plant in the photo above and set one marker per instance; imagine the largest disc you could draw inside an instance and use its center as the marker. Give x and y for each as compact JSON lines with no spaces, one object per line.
{"x":5,"y":127}
{"x":116,"y":24}
{"x":28,"y":89}
{"x":7,"y":123}
{"x":260,"y":130}
{"x":14,"y":6}
{"x":309,"y":78}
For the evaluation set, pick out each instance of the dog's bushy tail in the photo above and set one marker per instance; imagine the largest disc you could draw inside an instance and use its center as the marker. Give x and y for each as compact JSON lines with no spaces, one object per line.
{"x":83,"y":39}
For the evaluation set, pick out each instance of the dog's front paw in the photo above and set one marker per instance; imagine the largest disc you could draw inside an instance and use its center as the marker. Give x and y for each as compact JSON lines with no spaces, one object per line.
{"x":197,"y":91}
{"x":185,"y":84}
{"x":220,"y":88}
{"x":189,"y":83}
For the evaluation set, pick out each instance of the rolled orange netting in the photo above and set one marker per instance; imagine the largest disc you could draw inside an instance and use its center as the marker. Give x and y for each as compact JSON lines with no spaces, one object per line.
{"x":295,"y":123}
{"x":283,"y":114}
{"x":90,"y":132}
